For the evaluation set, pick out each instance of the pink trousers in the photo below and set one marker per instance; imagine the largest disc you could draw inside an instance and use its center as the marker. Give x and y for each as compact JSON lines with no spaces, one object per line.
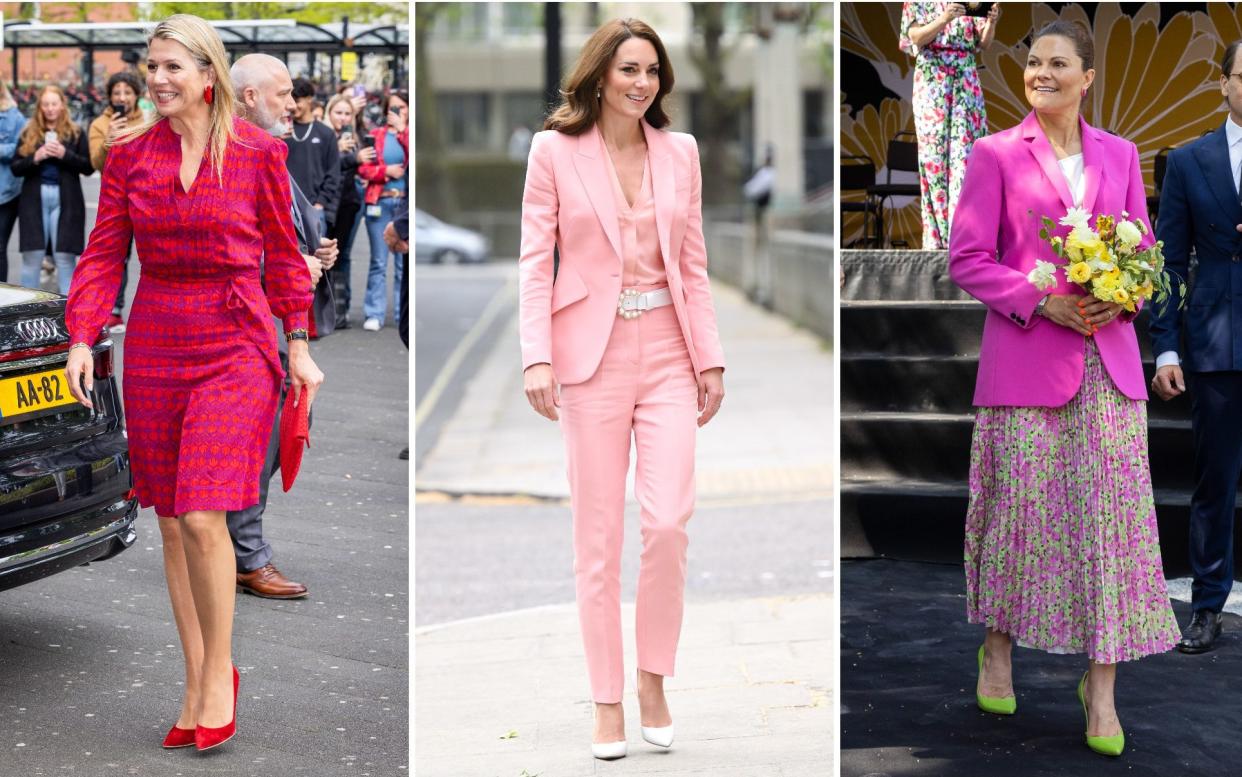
{"x":645,"y":387}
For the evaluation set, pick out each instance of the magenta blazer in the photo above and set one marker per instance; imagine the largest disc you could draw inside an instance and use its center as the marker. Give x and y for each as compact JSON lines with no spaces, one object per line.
{"x":1012,"y":180}
{"x":568,"y":203}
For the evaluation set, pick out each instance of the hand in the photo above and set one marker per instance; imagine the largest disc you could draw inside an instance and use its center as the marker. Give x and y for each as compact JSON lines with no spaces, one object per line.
{"x":118,"y":125}
{"x":303,"y":374}
{"x":1168,"y":382}
{"x":358,"y":102}
{"x":81,"y":366}
{"x":316,"y":269}
{"x":994,"y":13}
{"x":1099,"y":313}
{"x":327,"y":253}
{"x":711,"y":393}
{"x":391,"y":238}
{"x":55,"y":148}
{"x":394,"y":171}
{"x":542,"y":391}
{"x":367,"y":156}
{"x":40,"y":154}
{"x":318,"y":206}
{"x":953,"y":11}
{"x":1063,"y":309}
{"x":346,"y":143}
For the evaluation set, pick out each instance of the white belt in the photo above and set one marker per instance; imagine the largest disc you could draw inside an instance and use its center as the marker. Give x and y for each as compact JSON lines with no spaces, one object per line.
{"x":633,"y":302}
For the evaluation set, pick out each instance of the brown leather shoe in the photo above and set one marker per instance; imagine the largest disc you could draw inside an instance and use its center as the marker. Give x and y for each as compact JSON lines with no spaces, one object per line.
{"x":268,"y":582}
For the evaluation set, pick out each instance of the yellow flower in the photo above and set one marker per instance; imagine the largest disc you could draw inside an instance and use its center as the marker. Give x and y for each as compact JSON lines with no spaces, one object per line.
{"x":1121,"y":296}
{"x":1080,"y":272}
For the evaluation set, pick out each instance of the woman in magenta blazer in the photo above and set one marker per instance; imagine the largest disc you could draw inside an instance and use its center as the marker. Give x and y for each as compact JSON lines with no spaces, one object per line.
{"x":618,"y":340}
{"x":1062,"y":552}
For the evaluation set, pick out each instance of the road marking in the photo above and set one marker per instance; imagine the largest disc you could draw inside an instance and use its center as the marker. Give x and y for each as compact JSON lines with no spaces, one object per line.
{"x":494,"y":306}
{"x":493,"y":616}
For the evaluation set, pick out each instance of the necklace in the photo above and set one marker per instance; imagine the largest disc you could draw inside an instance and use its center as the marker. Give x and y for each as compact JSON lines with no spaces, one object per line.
{"x":309,"y":128}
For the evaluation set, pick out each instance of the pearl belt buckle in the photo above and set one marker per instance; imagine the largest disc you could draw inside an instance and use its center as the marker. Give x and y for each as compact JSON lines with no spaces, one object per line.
{"x":628,"y":304}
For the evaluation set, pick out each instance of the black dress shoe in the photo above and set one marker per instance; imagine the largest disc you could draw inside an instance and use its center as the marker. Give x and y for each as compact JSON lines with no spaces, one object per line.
{"x":1200,"y":636}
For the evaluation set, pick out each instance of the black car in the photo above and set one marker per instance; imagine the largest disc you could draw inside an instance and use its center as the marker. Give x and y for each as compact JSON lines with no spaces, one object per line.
{"x":66,"y":493}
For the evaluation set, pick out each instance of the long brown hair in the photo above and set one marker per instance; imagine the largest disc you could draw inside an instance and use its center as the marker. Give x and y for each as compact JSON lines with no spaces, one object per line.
{"x":32,"y":135}
{"x":579,"y":109}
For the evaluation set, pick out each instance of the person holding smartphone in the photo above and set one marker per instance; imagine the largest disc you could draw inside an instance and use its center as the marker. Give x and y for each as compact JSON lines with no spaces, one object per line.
{"x":124,"y":91}
{"x":52,"y":156}
{"x":386,"y":188}
{"x":345,"y":120}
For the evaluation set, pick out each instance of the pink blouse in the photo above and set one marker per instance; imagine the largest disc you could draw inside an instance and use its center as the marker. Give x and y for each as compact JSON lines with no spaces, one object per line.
{"x":642,"y":262}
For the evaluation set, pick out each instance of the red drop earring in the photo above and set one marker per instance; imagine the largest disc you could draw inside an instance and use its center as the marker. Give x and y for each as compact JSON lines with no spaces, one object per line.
{"x":207,"y":94}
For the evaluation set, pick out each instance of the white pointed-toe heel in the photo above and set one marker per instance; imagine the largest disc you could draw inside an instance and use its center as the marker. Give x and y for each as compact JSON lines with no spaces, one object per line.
{"x":660,"y":737}
{"x":608,"y":751}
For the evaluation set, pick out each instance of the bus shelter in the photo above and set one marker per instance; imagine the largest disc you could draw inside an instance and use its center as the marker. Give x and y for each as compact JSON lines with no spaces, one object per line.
{"x":278,"y":37}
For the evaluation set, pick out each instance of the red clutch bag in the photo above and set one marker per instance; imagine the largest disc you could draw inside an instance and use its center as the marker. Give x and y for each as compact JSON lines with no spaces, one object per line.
{"x":294,"y":437}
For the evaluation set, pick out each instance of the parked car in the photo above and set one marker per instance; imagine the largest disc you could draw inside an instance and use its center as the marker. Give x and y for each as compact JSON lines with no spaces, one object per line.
{"x":66,"y":491}
{"x":440,"y":243}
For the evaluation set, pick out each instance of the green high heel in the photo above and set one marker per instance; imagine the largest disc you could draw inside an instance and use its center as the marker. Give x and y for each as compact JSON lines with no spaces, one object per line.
{"x":997,"y":706}
{"x":1103,"y":745}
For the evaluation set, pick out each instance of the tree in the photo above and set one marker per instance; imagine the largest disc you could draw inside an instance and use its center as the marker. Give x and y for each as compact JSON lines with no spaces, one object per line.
{"x":719,"y":104}
{"x":311,"y":13}
{"x":427,"y":140}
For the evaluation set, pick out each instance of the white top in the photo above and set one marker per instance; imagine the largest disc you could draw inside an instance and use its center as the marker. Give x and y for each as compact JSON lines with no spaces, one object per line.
{"x":1071,"y":168}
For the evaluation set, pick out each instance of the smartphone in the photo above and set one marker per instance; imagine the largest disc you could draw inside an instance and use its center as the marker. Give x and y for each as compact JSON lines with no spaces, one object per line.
{"x":49,"y":136}
{"x":978,"y":9}
{"x":368,"y":141}
{"x":360,"y":90}
{"x":118,"y":109}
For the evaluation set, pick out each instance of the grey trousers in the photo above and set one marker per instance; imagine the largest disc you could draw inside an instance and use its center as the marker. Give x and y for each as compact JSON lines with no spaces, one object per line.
{"x":246,"y":526}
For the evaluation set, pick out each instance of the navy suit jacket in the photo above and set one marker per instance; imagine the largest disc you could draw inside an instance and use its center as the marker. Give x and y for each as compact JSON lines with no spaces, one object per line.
{"x":1199,"y":211}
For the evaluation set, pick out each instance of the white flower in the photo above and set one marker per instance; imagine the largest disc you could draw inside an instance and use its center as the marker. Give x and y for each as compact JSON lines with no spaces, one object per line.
{"x":1076,"y":218}
{"x":1128,"y":233}
{"x":1044,"y":275}
{"x":1101,"y":265}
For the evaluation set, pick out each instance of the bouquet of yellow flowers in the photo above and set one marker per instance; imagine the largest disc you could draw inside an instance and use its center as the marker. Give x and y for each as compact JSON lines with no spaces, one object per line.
{"x":1106,"y":260}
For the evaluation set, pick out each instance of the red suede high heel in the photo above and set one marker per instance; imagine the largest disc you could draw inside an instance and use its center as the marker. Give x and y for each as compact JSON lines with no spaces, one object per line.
{"x":207,"y":738}
{"x":178,"y":737}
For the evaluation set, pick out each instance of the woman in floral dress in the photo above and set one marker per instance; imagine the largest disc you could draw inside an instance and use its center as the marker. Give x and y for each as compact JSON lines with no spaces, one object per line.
{"x":949,"y":114}
{"x":1062,"y":551}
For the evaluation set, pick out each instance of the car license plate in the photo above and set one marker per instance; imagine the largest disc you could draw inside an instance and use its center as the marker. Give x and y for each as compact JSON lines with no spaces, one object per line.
{"x":28,"y":395}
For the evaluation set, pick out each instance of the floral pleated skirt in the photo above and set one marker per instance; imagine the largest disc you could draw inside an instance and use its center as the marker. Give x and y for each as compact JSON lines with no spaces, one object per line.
{"x":1062,"y":551}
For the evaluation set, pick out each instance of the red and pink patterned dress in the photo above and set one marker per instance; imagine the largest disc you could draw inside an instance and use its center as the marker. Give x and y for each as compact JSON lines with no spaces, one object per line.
{"x":202,"y":374}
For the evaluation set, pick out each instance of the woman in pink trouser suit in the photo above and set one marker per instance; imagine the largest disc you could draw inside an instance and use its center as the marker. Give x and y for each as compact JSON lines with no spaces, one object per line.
{"x":621,"y":199}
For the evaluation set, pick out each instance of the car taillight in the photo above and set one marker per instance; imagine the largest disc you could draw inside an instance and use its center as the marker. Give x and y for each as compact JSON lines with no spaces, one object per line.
{"x":103,"y":364}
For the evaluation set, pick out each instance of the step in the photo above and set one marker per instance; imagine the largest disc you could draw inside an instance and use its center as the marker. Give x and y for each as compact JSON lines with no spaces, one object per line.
{"x":930,"y":328}
{"x":936,"y":447}
{"x":938,"y":384}
{"x":925,"y":521}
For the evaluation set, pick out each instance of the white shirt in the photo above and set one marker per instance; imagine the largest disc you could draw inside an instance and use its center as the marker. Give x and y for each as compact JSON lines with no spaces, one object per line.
{"x":1071,"y":168}
{"x":1233,"y":136}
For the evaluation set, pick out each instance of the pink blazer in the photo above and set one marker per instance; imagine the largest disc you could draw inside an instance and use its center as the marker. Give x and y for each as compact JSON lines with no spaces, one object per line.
{"x":568,"y":203}
{"x":1012,"y":180}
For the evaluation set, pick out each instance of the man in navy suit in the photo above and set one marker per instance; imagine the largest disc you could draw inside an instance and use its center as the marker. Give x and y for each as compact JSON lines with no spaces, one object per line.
{"x":1201,"y":210}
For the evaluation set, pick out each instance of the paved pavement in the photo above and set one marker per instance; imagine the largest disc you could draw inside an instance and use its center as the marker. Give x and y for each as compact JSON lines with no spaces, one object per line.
{"x":500,"y":674}
{"x":908,"y":676}
{"x":506,"y":696}
{"x":771,"y":437}
{"x":89,"y":661}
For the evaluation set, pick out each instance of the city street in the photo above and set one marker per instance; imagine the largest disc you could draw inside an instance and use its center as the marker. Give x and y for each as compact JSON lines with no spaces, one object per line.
{"x":501,"y":682}
{"x":90,"y":667}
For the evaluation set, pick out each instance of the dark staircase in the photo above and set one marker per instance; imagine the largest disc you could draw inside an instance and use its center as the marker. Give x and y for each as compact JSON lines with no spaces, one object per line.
{"x":909,"y":350}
